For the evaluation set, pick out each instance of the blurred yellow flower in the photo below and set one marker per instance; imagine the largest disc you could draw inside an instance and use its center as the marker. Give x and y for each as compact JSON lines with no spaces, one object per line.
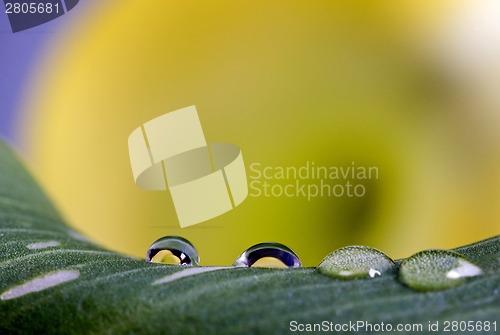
{"x":375,"y":84}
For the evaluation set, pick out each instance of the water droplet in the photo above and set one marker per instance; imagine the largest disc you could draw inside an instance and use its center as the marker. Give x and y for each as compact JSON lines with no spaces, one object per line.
{"x":356,"y":262}
{"x":173,"y":250}
{"x":268,"y":254}
{"x":433,"y":270}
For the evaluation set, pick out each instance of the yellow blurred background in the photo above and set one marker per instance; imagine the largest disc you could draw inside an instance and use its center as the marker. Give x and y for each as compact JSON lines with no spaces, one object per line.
{"x":408,"y":87}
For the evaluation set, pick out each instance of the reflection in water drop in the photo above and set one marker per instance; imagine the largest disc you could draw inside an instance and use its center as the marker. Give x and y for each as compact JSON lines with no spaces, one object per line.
{"x":268,"y":254}
{"x":173,"y":250}
{"x":356,"y":262}
{"x":433,"y":270}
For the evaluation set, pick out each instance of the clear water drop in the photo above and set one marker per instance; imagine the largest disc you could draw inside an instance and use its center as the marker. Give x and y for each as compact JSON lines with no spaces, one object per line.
{"x":268,"y":254}
{"x":173,"y":250}
{"x":356,"y":262}
{"x":433,"y":270}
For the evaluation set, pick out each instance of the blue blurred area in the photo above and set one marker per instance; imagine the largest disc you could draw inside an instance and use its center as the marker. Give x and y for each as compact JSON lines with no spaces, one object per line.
{"x":18,"y":58}
{"x":20,"y":54}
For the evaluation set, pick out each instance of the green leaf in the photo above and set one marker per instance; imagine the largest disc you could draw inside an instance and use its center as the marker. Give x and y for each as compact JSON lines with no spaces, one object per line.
{"x":100,"y":292}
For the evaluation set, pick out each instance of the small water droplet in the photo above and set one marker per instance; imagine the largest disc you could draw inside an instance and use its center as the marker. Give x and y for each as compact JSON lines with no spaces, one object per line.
{"x":356,"y":262}
{"x":433,"y":270}
{"x":174,"y":250}
{"x":268,"y":254}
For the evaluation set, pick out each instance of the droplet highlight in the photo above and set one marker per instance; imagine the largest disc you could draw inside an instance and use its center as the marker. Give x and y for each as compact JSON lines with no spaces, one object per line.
{"x":173,"y":250}
{"x":268,"y":254}
{"x":356,"y":262}
{"x":433,"y":270}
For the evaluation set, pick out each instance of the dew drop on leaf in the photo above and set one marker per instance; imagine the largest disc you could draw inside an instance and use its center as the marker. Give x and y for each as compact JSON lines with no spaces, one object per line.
{"x":268,"y":254}
{"x":173,"y":250}
{"x":356,"y":262}
{"x":433,"y":270}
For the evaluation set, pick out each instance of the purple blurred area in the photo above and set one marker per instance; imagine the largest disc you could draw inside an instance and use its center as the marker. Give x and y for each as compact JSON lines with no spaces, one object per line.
{"x":20,"y":54}
{"x":18,"y":58}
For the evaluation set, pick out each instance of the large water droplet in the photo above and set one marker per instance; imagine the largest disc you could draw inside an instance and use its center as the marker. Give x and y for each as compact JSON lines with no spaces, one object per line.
{"x":356,"y":262}
{"x":173,"y":250}
{"x":433,"y":270}
{"x":268,"y":254}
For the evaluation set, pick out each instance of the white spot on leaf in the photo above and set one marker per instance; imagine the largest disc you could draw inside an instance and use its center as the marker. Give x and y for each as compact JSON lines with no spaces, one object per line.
{"x":188,"y":272}
{"x":43,"y":245}
{"x":78,"y":236}
{"x":41,"y":283}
